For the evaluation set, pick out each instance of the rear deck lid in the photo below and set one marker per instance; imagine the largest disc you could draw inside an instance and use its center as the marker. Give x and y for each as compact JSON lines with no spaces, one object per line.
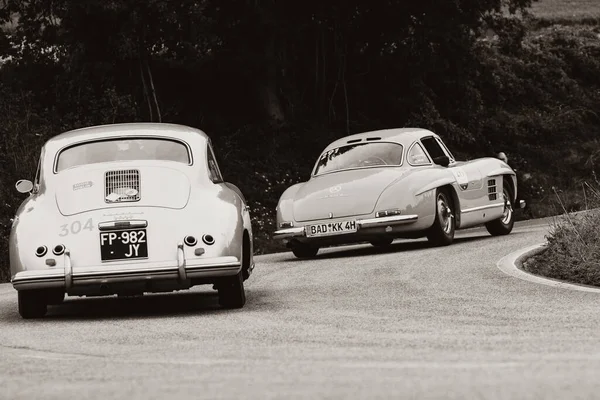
{"x":91,"y":188}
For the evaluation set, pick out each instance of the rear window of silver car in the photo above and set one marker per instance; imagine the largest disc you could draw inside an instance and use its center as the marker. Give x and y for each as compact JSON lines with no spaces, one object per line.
{"x":360,"y":155}
{"x":111,"y":150}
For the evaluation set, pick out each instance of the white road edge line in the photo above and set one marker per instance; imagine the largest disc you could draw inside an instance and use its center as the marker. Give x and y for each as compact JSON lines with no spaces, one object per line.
{"x":512,"y":263}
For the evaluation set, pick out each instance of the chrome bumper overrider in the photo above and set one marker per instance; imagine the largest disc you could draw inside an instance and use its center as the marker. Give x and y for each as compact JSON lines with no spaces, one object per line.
{"x":361,"y":223}
{"x":70,"y":276}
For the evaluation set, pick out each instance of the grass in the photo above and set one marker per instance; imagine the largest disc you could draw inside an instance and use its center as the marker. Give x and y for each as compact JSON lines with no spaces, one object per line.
{"x":566,"y":9}
{"x":573,"y":251}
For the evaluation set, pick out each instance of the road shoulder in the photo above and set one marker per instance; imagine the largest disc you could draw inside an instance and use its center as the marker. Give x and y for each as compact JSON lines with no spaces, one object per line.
{"x":513,"y":262}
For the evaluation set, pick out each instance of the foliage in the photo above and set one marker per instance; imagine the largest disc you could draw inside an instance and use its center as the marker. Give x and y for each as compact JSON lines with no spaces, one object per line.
{"x":573,"y":248}
{"x":273,"y":84}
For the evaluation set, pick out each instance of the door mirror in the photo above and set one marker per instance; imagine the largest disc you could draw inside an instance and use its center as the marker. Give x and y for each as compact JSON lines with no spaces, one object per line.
{"x":502,"y":157}
{"x":444,"y":161}
{"x":24,"y":186}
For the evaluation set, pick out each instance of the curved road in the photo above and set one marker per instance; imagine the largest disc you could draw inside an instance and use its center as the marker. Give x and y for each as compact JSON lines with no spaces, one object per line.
{"x":408,"y":322}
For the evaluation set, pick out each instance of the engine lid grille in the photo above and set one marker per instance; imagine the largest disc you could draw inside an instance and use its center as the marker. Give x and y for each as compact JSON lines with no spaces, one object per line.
{"x":122,"y":186}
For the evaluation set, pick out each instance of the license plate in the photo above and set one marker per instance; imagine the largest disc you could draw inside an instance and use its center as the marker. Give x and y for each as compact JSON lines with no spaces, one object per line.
{"x":124,"y":244}
{"x":331,"y":228}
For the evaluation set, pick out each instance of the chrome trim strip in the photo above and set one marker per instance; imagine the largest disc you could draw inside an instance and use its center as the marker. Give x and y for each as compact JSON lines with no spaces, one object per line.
{"x":385,"y":221}
{"x":136,"y":223}
{"x":468,"y":210}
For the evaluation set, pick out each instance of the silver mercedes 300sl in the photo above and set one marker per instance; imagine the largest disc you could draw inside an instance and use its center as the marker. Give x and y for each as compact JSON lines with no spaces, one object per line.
{"x":395,"y":183}
{"x":126,"y":209}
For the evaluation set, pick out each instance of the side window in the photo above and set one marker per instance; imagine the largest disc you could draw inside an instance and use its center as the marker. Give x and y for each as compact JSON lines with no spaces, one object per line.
{"x":416,"y":155}
{"x":433,"y":147}
{"x":213,"y":169}
{"x":452,"y":159}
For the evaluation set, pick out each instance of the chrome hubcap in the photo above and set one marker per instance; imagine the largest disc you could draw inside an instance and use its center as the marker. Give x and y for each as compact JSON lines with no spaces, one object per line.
{"x":508,"y":210}
{"x":445,"y":214}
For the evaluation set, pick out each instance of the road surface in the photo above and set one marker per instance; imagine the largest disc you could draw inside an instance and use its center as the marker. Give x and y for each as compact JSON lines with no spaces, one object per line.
{"x":409,"y":322}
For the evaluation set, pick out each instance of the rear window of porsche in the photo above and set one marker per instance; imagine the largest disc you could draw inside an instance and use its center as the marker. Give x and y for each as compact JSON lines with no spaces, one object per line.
{"x":360,"y":155}
{"x":128,"y":149}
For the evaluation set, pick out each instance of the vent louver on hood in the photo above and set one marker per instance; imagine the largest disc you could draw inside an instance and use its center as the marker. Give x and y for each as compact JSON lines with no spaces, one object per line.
{"x":122,"y":186}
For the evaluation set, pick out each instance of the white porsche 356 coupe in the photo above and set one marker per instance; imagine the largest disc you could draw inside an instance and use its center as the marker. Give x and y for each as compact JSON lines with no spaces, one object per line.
{"x":128,"y":209}
{"x":397,"y":183}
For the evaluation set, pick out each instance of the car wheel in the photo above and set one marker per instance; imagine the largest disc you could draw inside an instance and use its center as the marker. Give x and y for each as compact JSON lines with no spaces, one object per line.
{"x":55,"y":297}
{"x":381,"y":242}
{"x":504,"y":224}
{"x":246,"y":259}
{"x":302,"y":250}
{"x":32,"y":303}
{"x":231,"y":292}
{"x":441,"y":232}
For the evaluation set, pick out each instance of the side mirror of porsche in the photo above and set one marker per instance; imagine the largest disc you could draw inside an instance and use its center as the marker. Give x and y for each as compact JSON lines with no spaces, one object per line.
{"x":24,"y":186}
{"x":444,"y":161}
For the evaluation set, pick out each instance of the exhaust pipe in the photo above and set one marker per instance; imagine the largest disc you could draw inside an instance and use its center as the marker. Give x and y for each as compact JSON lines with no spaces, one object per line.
{"x":208,"y":239}
{"x":58,"y":249}
{"x":41,"y":251}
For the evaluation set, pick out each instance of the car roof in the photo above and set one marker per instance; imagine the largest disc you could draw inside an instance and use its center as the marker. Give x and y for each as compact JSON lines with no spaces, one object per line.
{"x":404,"y":136}
{"x":175,"y":131}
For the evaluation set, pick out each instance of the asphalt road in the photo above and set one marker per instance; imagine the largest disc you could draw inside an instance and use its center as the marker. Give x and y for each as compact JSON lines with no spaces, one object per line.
{"x":409,"y":322}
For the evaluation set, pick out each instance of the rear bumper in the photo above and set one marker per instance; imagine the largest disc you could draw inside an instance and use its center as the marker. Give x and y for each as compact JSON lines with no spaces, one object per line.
{"x":70,"y":277}
{"x":361,"y":223}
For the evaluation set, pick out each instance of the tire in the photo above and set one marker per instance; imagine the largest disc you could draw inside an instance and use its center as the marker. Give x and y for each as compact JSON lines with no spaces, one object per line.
{"x":441,"y":232}
{"x":231,"y":292}
{"x":32,"y":304}
{"x":381,"y":242}
{"x":246,"y":257}
{"x":302,"y":250}
{"x":504,"y":224}
{"x":55,"y":297}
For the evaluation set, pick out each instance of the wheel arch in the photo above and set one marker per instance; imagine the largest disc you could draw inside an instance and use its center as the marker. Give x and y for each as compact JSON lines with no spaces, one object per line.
{"x":451,"y":190}
{"x":508,"y":180}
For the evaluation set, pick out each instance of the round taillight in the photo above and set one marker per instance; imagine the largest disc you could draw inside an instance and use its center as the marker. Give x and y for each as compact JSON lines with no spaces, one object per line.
{"x":208,"y":239}
{"x":41,"y":251}
{"x":190,"y":240}
{"x":58,"y":249}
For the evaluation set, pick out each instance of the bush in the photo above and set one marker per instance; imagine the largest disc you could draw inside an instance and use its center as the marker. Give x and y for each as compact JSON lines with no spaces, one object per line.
{"x":533,"y":94}
{"x":573,"y":250}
